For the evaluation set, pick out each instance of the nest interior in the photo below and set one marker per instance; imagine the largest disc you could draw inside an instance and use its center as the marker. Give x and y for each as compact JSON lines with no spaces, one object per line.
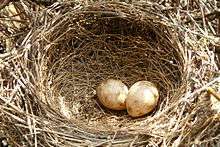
{"x":87,"y":46}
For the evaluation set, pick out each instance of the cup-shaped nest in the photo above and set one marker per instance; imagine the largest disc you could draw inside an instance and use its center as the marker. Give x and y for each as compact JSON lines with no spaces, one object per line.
{"x":71,"y":49}
{"x":81,"y":48}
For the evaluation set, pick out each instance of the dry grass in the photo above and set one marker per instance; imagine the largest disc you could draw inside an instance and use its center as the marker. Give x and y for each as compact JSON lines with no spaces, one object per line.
{"x":58,"y":55}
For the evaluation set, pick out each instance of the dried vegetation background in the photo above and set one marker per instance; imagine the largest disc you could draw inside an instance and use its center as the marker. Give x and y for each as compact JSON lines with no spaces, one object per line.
{"x":53,"y":55}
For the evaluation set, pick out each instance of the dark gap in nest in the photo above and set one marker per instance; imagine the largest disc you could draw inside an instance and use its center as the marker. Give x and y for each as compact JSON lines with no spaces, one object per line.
{"x":123,"y":26}
{"x":2,"y":48}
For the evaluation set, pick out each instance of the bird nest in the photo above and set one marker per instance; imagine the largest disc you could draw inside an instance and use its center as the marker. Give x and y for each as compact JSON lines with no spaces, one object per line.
{"x":49,"y":79}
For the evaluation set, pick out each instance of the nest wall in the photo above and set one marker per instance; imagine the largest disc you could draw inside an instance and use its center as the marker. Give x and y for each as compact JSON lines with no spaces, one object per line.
{"x":49,"y":82}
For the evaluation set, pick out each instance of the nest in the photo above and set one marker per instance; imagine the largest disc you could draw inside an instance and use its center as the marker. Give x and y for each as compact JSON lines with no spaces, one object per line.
{"x":52,"y":70}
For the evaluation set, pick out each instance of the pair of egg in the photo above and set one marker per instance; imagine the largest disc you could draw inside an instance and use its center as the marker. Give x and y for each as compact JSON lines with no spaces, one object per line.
{"x":140,"y":99}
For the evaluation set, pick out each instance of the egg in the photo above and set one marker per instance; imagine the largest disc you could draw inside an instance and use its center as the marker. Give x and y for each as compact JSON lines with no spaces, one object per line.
{"x":112,"y":94}
{"x":142,"y":98}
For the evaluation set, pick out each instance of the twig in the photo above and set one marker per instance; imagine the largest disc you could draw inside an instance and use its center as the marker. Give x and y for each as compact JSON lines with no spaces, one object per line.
{"x":4,"y":3}
{"x":214,"y":93}
{"x":210,"y":16}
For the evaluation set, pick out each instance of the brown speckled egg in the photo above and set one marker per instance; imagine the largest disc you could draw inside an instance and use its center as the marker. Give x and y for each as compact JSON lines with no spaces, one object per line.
{"x":142,"y":98}
{"x":112,"y":94}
